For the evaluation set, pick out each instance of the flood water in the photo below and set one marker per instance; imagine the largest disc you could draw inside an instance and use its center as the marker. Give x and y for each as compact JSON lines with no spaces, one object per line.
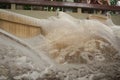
{"x":68,"y":49}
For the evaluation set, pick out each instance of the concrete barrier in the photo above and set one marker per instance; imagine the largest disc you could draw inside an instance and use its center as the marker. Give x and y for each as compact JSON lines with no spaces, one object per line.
{"x":19,"y":25}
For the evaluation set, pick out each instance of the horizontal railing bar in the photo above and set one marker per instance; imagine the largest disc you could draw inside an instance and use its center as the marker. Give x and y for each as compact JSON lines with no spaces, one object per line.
{"x":63,"y":4}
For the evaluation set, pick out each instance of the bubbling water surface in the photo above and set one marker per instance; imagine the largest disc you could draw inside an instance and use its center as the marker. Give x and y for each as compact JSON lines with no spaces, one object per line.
{"x":73,"y":40}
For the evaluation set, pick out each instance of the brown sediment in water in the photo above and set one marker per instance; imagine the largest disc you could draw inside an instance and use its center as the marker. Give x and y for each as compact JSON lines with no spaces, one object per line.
{"x":72,"y":49}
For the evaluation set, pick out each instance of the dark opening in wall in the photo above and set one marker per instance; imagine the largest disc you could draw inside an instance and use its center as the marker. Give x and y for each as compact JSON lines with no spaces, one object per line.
{"x":5,"y":6}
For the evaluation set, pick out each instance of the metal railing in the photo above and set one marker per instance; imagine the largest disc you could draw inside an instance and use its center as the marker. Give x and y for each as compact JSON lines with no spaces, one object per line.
{"x":61,"y":4}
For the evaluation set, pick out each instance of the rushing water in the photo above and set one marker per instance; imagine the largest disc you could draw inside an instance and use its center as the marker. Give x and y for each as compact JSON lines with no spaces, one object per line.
{"x":73,"y":40}
{"x":68,"y":49}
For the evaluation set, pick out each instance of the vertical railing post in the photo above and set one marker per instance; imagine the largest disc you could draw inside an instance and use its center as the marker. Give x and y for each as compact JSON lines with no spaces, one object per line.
{"x":79,"y":10}
{"x":31,"y":7}
{"x":13,"y":6}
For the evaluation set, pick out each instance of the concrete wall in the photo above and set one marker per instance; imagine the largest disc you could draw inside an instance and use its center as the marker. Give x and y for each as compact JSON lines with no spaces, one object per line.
{"x":46,"y":14}
{"x":20,"y":30}
{"x":19,"y":25}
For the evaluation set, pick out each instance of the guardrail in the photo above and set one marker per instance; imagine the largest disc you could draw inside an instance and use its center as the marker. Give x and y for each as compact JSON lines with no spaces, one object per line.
{"x":62,"y":4}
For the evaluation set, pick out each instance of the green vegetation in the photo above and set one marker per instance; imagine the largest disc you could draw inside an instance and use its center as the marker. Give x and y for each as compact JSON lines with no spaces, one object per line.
{"x":27,"y":7}
{"x":113,"y":2}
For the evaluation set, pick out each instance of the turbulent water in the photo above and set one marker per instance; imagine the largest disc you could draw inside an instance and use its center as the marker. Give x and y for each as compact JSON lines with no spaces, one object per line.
{"x":67,"y":49}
